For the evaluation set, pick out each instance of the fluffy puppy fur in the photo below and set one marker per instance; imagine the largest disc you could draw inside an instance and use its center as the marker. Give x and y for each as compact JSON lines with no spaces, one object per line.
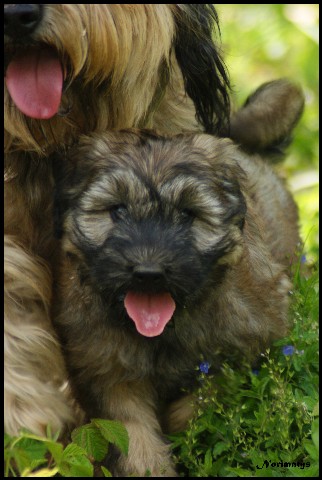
{"x":98,"y":66}
{"x":173,"y":249}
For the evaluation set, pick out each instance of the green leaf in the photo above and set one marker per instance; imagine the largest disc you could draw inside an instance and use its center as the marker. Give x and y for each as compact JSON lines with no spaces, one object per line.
{"x":74,"y":463}
{"x":208,"y":461}
{"x":73,"y":449}
{"x":21,"y":459}
{"x":91,"y":439}
{"x":35,"y":449}
{"x":240,"y":472}
{"x":106,"y":472}
{"x":56,"y":450}
{"x":114,"y":432}
{"x":312,"y":471}
{"x":315,"y":432}
{"x":7,"y":439}
{"x":219,"y":448}
{"x":43,"y":472}
{"x":27,"y":453}
{"x":311,"y":449}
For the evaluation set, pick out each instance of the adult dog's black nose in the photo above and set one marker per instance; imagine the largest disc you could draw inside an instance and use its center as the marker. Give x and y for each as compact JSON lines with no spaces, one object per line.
{"x":21,"y":19}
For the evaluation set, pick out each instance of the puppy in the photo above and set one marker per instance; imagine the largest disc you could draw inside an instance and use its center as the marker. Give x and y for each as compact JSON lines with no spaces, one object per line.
{"x":172,"y":250}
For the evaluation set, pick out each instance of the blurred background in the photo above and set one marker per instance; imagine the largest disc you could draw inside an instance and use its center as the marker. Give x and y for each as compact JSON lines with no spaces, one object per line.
{"x":265,"y":42}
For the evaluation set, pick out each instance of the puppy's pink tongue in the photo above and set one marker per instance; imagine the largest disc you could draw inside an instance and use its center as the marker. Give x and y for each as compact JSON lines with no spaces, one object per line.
{"x":35,"y":82}
{"x":150,"y":313}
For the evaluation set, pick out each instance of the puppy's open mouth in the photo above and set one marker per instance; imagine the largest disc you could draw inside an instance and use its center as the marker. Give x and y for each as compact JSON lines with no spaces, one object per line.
{"x":34,"y":79}
{"x":150,"y":312}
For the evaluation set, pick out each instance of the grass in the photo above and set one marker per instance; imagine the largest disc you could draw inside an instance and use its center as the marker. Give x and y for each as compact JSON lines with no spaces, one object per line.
{"x":261,"y":422}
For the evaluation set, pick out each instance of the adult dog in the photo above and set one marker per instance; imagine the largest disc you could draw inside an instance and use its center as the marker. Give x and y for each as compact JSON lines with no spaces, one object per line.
{"x":173,"y":250}
{"x":71,"y":69}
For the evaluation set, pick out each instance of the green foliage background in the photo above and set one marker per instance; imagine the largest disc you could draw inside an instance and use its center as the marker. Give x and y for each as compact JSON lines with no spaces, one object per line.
{"x":265,"y":42}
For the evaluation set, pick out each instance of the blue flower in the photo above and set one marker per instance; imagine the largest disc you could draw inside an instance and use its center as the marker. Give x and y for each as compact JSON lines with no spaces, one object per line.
{"x":288,"y":350}
{"x":204,"y":367}
{"x":303,"y":259}
{"x":255,"y":371}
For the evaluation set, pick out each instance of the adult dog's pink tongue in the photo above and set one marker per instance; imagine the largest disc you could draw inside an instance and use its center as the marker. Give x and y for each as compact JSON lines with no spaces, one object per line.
{"x":35,"y":82}
{"x":150,"y":313}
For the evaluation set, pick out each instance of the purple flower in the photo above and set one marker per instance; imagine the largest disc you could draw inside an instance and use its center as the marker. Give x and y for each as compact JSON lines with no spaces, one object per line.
{"x":288,"y":350}
{"x":204,"y":367}
{"x":303,"y":259}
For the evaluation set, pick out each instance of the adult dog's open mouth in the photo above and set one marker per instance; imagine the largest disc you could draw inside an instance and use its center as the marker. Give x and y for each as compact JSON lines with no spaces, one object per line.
{"x":34,"y":79}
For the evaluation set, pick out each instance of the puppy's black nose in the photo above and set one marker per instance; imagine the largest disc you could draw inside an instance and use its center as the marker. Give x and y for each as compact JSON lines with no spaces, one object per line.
{"x":148,"y":274}
{"x":21,"y":19}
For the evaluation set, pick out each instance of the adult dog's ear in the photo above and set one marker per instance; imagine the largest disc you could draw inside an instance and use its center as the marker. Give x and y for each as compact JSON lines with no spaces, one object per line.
{"x":266,"y":121}
{"x":204,"y":72}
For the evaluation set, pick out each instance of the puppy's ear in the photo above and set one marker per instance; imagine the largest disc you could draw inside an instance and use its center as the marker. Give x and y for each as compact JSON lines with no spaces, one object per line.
{"x":265,"y":123}
{"x":226,"y":174}
{"x":204,"y":72}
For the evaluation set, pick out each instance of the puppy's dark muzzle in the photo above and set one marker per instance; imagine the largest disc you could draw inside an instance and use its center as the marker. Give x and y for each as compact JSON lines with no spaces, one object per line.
{"x":21,"y":20}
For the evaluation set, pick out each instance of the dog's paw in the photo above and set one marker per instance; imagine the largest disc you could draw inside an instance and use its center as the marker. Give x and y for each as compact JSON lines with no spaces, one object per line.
{"x":148,"y":454}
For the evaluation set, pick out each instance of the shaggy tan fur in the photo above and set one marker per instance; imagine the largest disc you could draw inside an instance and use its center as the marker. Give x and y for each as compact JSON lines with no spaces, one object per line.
{"x":192,"y":218}
{"x":120,"y":70}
